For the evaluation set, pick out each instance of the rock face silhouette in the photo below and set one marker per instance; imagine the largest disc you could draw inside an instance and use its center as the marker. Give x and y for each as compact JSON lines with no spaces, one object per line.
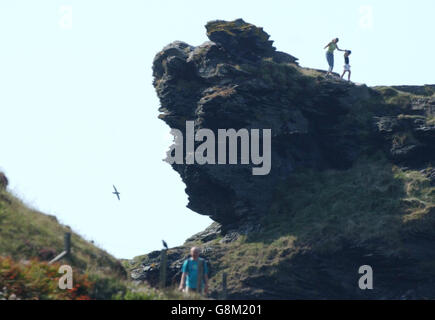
{"x":321,"y":128}
{"x":240,"y":81}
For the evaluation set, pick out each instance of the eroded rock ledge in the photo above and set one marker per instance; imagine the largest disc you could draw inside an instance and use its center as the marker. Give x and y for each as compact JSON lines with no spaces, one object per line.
{"x":239,"y":80}
{"x":351,"y":184}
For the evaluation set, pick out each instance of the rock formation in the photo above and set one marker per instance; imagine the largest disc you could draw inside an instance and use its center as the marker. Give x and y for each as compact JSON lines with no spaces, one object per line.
{"x":3,"y":181}
{"x":238,"y":81}
{"x":376,"y":144}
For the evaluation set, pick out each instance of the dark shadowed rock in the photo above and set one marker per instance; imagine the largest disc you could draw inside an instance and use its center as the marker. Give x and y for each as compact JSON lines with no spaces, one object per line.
{"x":240,"y":81}
{"x":3,"y":181}
{"x":321,"y":128}
{"x":210,"y":233}
{"x":240,"y":39}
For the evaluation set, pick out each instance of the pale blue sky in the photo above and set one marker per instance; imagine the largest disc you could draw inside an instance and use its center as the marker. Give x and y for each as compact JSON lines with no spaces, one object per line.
{"x":78,"y":111}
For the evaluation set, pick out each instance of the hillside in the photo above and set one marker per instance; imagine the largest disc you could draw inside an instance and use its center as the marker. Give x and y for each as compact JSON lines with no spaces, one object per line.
{"x":27,"y":233}
{"x":351,"y":181}
{"x":29,"y":239}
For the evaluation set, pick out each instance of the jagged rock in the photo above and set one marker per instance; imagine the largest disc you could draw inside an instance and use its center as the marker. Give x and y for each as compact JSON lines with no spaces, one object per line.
{"x":430,"y":174}
{"x":244,"y":41}
{"x":410,"y":139}
{"x":212,"y":232}
{"x":240,"y":39}
{"x":3,"y":181}
{"x":238,"y":80}
{"x":149,"y":270}
{"x":138,"y":275}
{"x":427,"y":90}
{"x":230,"y":237}
{"x":234,"y":82}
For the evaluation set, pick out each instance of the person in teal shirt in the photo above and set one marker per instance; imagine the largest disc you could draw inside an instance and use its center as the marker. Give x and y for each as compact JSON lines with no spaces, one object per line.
{"x":189,"y":278}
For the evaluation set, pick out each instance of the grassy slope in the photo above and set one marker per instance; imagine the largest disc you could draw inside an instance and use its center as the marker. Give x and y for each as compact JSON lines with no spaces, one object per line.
{"x":373,"y":202}
{"x":27,"y":233}
{"x":374,"y":205}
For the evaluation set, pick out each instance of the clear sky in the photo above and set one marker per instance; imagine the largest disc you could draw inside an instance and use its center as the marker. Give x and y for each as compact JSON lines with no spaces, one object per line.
{"x":78,"y":112}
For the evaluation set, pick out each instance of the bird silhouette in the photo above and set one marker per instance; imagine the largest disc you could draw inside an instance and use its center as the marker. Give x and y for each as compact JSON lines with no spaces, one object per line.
{"x":116,"y":192}
{"x":165,"y":244}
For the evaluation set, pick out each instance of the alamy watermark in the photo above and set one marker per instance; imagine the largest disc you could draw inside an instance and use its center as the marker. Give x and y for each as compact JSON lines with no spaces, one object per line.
{"x":66,"y":281}
{"x":366,"y":281}
{"x":366,"y":20}
{"x":65,"y":17}
{"x":227,"y":150}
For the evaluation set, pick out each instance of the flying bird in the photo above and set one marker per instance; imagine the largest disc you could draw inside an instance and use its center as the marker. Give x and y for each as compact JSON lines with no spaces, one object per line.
{"x":165,"y":244}
{"x":116,"y":192}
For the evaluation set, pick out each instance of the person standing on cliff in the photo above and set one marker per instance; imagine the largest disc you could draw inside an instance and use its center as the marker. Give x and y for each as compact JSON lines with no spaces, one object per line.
{"x":194,"y":273}
{"x":346,"y":65}
{"x":330,"y":54}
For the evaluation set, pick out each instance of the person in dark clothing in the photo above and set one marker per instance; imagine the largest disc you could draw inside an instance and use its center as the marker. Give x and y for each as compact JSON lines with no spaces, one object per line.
{"x":346,"y":64}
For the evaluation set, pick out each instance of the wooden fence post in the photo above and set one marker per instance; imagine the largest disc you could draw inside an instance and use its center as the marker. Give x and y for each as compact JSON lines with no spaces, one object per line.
{"x":224,"y":286}
{"x":163,"y":266}
{"x":199,"y":276}
{"x":67,"y":243}
{"x":66,"y":253}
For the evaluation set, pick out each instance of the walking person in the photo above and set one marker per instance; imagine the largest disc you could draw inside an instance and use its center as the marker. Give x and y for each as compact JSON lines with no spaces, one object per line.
{"x":194,"y":276}
{"x":330,"y":54}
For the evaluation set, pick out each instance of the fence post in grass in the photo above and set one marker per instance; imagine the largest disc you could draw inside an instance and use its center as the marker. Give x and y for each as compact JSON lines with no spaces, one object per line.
{"x":163,"y":265}
{"x":224,"y":286}
{"x":200,"y":276}
{"x":67,"y":243}
{"x":66,"y":253}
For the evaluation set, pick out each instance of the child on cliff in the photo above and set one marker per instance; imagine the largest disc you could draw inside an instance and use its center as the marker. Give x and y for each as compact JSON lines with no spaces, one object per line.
{"x":346,"y":64}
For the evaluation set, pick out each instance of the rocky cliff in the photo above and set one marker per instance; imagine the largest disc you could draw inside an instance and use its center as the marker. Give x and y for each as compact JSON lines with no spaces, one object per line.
{"x":351,"y":180}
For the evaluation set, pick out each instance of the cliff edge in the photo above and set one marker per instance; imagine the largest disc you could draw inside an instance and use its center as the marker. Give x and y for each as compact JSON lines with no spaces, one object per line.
{"x":351,"y":178}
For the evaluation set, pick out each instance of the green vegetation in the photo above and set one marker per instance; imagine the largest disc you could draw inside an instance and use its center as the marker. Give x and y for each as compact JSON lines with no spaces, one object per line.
{"x":397,"y":97}
{"x":26,"y":233}
{"x":36,"y":280}
{"x":28,"y":239}
{"x":357,"y":204}
{"x":387,"y":91}
{"x":373,"y":202}
{"x":311,"y":72}
{"x":235,"y":27}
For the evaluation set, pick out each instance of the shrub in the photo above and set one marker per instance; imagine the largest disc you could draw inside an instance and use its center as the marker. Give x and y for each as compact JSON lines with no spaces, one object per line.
{"x":36,"y":280}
